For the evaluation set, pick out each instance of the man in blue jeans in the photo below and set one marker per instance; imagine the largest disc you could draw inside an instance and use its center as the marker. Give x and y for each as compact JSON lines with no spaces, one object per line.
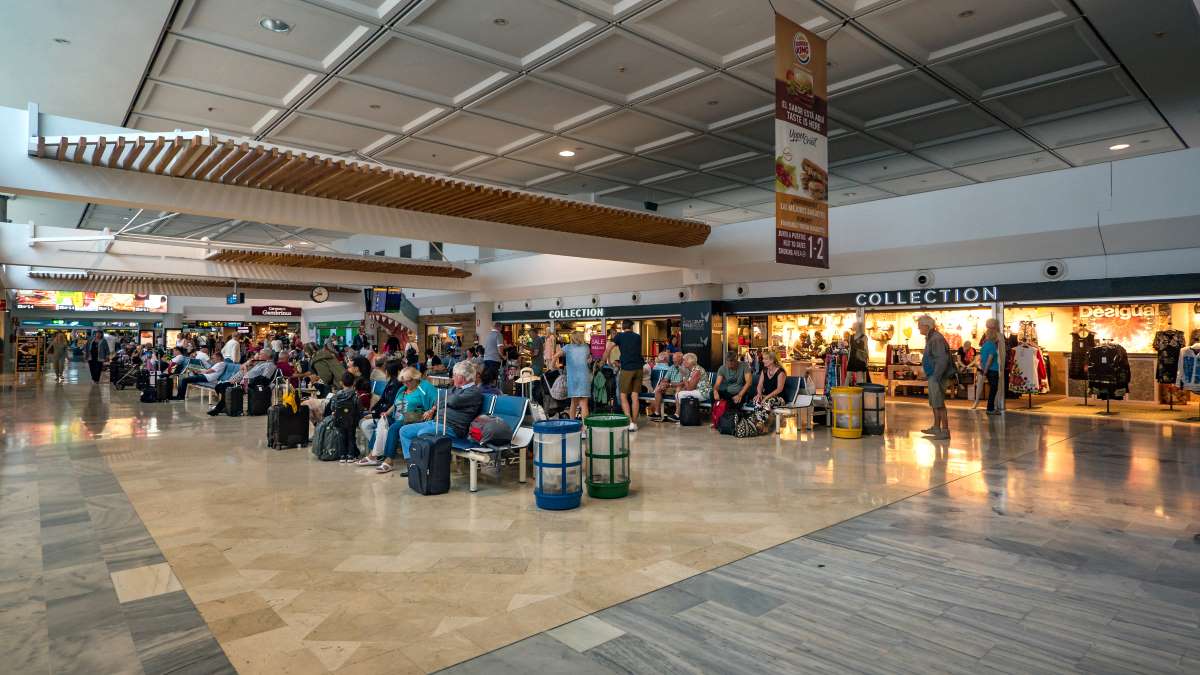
{"x":460,"y":408}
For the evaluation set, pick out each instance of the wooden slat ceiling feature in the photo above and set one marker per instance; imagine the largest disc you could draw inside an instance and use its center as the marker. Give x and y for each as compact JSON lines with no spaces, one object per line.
{"x":329,"y":262}
{"x":224,"y":160}
{"x":117,"y":283}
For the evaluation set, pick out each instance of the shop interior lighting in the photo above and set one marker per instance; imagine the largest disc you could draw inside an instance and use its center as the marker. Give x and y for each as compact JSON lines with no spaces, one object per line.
{"x":275,"y":25}
{"x":1119,"y":146}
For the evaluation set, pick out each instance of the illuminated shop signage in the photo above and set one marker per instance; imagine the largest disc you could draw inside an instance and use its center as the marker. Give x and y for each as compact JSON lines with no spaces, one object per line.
{"x":274,"y":310}
{"x":90,"y":301}
{"x":577,"y":313}
{"x":1116,"y":311}
{"x":928,"y":296}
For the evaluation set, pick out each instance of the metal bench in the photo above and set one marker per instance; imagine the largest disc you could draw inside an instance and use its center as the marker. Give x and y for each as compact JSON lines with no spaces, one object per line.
{"x":513,"y":410}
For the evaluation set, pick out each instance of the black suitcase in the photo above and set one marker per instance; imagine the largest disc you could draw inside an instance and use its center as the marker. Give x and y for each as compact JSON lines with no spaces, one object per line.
{"x":429,"y":465}
{"x":287,"y":429}
{"x":235,"y":401}
{"x":149,"y":395}
{"x":259,"y":397}
{"x":165,"y":386}
{"x":689,"y":412}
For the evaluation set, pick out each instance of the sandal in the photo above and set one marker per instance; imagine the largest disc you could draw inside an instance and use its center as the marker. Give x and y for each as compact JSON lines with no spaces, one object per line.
{"x":369,"y":460}
{"x":384,"y":468}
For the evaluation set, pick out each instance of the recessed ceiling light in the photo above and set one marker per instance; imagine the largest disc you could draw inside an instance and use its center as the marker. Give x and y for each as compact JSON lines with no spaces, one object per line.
{"x":304,"y":243}
{"x":275,"y":25}
{"x":287,"y":246}
{"x":851,"y":194}
{"x":620,"y":69}
{"x":713,"y":102}
{"x":374,"y":106}
{"x":566,"y":153}
{"x":500,"y":21}
{"x":62,"y":41}
{"x":1118,"y":146}
{"x":1160,"y":34}
{"x":966,"y":14}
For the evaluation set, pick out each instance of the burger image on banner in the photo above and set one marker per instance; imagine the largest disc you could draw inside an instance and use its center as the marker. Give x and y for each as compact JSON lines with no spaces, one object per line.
{"x":801,"y":147}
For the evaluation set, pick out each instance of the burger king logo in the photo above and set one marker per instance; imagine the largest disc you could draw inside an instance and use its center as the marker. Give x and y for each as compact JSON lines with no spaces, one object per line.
{"x":801,"y":48}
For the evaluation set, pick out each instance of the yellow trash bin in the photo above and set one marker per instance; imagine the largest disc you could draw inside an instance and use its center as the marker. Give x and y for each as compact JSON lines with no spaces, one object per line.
{"x":847,"y":403}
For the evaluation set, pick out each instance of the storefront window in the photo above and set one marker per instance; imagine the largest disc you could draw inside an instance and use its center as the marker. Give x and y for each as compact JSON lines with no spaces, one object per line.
{"x":1133,"y":326}
{"x":899,"y":329}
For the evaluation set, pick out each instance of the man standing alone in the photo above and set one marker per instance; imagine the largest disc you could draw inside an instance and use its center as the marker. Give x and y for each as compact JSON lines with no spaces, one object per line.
{"x":492,"y":344}
{"x":629,"y":344}
{"x":936,"y":363}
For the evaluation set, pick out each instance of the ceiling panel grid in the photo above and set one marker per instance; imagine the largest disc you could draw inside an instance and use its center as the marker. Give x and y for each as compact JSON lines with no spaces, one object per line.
{"x":666,"y":101}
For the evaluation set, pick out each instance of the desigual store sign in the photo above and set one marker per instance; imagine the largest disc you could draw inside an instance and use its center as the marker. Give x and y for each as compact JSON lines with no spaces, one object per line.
{"x":1125,"y":312}
{"x":928,"y":296}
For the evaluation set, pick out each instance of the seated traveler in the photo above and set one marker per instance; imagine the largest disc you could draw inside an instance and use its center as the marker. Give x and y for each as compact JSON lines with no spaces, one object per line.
{"x":261,"y":366}
{"x":461,"y":406}
{"x":667,"y":385}
{"x":210,"y":375}
{"x":733,"y":380}
{"x":414,"y":397}
{"x":695,"y":385}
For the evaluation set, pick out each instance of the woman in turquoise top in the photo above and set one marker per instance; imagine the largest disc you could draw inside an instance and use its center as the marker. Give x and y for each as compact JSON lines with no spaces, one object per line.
{"x":989,"y":362}
{"x":414,"y":399}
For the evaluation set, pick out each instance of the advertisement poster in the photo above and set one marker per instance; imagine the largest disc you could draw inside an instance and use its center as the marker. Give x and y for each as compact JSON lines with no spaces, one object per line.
{"x":29,"y":353}
{"x":91,"y":301}
{"x":801,"y":147}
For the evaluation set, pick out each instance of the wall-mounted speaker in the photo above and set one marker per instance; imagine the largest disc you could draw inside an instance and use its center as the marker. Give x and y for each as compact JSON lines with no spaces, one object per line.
{"x":558,"y":302}
{"x":595,"y":300}
{"x":635,"y":298}
{"x":526,"y":304}
{"x":824,"y":285}
{"x":923,"y":278}
{"x":741,"y":291}
{"x":500,"y":306}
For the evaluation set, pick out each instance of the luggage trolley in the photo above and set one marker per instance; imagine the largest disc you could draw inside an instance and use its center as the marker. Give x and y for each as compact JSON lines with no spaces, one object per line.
{"x":132,"y":371}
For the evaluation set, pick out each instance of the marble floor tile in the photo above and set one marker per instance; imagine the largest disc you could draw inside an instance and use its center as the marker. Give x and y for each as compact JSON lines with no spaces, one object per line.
{"x":143,"y":582}
{"x":1023,"y":543}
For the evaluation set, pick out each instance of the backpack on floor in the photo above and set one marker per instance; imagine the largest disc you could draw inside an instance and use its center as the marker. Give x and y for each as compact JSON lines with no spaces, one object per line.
{"x":327,"y":441}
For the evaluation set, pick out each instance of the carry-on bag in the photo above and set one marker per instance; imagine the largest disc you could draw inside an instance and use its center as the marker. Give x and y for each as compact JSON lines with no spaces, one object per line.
{"x":258,"y":395}
{"x":235,"y":400}
{"x":689,"y":412}
{"x":718,"y":411}
{"x":165,"y":386}
{"x":429,"y":460}
{"x":287,"y":428}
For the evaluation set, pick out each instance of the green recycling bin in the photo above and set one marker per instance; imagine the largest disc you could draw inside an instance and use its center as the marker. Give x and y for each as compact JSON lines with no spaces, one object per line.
{"x":607,"y":456}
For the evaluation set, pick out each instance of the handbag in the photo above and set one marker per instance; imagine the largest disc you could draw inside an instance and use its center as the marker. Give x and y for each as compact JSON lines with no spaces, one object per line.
{"x":718,"y":411}
{"x":558,"y":390}
{"x":381,"y":434}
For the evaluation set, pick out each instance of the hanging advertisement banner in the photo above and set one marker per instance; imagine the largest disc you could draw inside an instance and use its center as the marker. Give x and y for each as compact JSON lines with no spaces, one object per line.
{"x":801,"y":147}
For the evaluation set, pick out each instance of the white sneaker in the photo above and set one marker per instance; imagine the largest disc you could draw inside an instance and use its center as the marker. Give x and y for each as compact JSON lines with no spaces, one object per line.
{"x":632,"y":426}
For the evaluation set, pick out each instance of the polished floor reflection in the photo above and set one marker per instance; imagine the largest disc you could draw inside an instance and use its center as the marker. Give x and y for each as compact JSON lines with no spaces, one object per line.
{"x":292,"y":565}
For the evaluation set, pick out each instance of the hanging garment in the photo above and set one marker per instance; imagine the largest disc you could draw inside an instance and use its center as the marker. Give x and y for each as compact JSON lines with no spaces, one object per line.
{"x":1108,"y":372}
{"x":1168,"y":343}
{"x":1081,"y":346}
{"x":1188,"y":375}
{"x":1027,"y":332}
{"x":1027,"y":370}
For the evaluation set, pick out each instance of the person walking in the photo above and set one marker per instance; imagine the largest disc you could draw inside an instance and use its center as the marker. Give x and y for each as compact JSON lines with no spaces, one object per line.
{"x":577,"y":354}
{"x":630,"y":380}
{"x":989,"y":364}
{"x":97,"y":354}
{"x":59,"y":347}
{"x":936,"y":363}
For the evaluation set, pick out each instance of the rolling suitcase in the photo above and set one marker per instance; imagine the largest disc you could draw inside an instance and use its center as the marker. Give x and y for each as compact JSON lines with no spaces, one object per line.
{"x":235,"y":401}
{"x":287,"y":429}
{"x":165,"y":386}
{"x":689,"y":412}
{"x":259,"y":398}
{"x":429,"y":461}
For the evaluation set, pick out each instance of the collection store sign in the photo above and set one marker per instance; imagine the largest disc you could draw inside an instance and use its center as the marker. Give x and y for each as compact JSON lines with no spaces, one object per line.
{"x":801,"y":147}
{"x":928,"y":296}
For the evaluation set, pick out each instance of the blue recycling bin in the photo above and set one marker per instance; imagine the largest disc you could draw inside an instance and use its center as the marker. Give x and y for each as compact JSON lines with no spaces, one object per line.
{"x":558,"y":464}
